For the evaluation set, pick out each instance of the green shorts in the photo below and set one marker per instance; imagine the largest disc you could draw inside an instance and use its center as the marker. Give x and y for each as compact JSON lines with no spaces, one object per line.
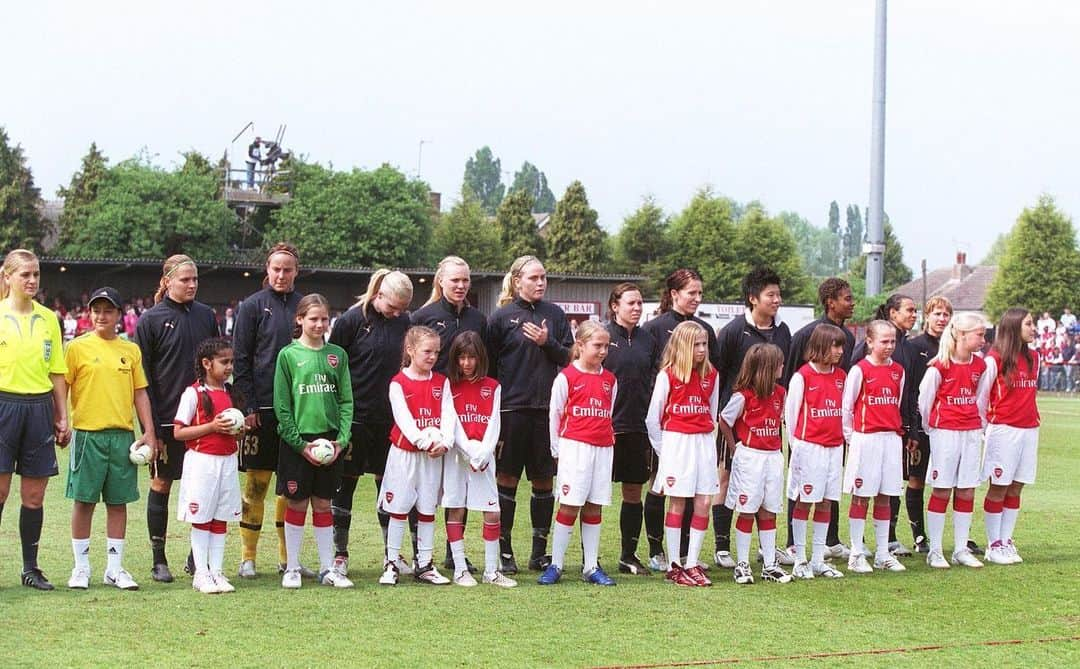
{"x":99,"y":468}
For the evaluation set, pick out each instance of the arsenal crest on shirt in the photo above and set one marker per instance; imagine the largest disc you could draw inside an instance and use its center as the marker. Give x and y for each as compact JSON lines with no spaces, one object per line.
{"x":332,"y":359}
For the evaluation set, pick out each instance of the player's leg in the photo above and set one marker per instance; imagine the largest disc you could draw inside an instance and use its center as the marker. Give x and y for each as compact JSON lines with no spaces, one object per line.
{"x":673,"y":528}
{"x":800,"y":518}
{"x":699,"y":523}
{"x":856,"y":529}
{"x":540,"y":470}
{"x":963,"y":506}
{"x":1009,"y":515}
{"x":914,"y":496}
{"x":509,"y":466}
{"x":82,"y":515}
{"x":722,"y":514}
{"x":564,"y":528}
{"x":630,"y":468}
{"x":492,"y":526}
{"x":935,"y":526}
{"x":163,"y":471}
{"x":455,"y":539}
{"x":31,"y":519}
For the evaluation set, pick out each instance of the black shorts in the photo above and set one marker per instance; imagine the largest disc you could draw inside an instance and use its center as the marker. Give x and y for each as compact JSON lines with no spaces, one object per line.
{"x":632,"y":459}
{"x":170,"y":463}
{"x":27,"y":435}
{"x":915,"y":463}
{"x":724,"y":453}
{"x":299,"y":479}
{"x":259,"y":447}
{"x":368,"y":448}
{"x":524,"y":444}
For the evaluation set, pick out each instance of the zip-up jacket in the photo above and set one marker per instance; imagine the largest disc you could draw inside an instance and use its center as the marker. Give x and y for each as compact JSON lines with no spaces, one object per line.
{"x":663,"y":325}
{"x":924,"y":349}
{"x":374,"y":344}
{"x":633,"y":358}
{"x":793,"y":361}
{"x":264,"y":325}
{"x":168,"y":334}
{"x":735,"y":340}
{"x":525,"y":370}
{"x":445,"y":319}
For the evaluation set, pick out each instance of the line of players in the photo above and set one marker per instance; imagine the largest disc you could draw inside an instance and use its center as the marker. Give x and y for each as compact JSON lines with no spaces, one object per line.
{"x":529,"y":345}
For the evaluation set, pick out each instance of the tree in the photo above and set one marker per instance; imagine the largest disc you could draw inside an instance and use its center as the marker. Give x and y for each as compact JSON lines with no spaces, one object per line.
{"x":21,"y":224}
{"x":517,"y":227}
{"x":702,"y":237}
{"x":1040,"y":269}
{"x":369,"y":218}
{"x":834,"y":219}
{"x":534,"y":182}
{"x":896,"y":272}
{"x":853,"y":234}
{"x":764,"y":241}
{"x":466,"y":231}
{"x":997,"y":250}
{"x":575,"y":241}
{"x":82,"y":192}
{"x":483,"y":176}
{"x":818,"y":248}
{"x":641,"y":245}
{"x":142,"y":211}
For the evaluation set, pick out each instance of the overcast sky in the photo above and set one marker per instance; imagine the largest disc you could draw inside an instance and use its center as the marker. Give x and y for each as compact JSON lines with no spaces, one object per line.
{"x":766,"y":100}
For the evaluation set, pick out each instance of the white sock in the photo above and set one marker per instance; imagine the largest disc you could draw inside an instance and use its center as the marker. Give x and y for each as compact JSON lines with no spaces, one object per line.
{"x":294,"y":538}
{"x":457,"y":551}
{"x":798,"y":530}
{"x":491,"y":556}
{"x":395,"y":532}
{"x":881,"y":539}
{"x":216,"y":556}
{"x":821,"y":530}
{"x":425,"y":541}
{"x":1008,"y":523}
{"x":993,"y":528}
{"x":590,"y":543}
{"x":767,"y":539}
{"x":697,"y":537}
{"x":81,"y":550}
{"x":560,"y":540}
{"x":856,"y":528}
{"x":742,"y":546}
{"x":673,"y":537}
{"x":200,"y":549}
{"x":961,"y":529}
{"x":935,"y":529}
{"x":324,"y":544}
{"x":114,"y":555}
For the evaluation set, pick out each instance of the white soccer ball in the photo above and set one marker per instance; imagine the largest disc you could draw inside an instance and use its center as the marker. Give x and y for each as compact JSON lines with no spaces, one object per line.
{"x":322,"y":450}
{"x":236,"y":419}
{"x":433,"y":434}
{"x":139,"y":454}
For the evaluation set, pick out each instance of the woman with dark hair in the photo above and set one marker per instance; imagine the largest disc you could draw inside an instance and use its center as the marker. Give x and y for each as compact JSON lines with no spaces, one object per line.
{"x":633,"y":357}
{"x":683,"y":292}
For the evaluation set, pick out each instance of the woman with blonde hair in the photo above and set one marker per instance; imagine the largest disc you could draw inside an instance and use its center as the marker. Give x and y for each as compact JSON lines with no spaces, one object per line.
{"x":168,"y":334}
{"x":372,"y":332}
{"x":33,"y":401}
{"x":528,"y":341}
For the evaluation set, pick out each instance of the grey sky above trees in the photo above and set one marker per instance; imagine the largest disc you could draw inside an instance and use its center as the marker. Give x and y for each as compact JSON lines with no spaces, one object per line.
{"x":632,"y":99}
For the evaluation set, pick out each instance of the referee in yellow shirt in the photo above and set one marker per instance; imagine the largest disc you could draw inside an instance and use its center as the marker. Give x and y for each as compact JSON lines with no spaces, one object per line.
{"x":33,"y":400}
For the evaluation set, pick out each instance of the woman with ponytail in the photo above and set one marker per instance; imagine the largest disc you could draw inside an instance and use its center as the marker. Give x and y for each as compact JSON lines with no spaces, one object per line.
{"x":528,"y":341}
{"x":950,"y":416}
{"x":372,"y":333}
{"x":168,"y":334}
{"x":1006,"y":401}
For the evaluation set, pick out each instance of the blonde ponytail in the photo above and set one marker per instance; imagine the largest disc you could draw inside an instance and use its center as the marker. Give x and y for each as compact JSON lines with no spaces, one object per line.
{"x":392,"y":282}
{"x":507,"y":294}
{"x":960,"y":325}
{"x":584,"y":333}
{"x":436,"y":282}
{"x":172,"y":263}
{"x":12,"y":261}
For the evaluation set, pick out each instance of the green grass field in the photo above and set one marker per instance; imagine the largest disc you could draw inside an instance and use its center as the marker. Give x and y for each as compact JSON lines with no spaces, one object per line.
{"x":643,"y":621}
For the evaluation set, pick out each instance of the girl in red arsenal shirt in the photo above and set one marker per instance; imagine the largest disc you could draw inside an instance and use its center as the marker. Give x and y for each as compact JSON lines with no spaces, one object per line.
{"x":816,"y":438}
{"x":210,"y":485}
{"x":469,"y":472}
{"x":751,"y":421}
{"x":582,"y":436}
{"x":682,"y":431}
{"x":950,"y":416}
{"x":872,"y":428}
{"x":1007,"y":401}
{"x":424,"y":423}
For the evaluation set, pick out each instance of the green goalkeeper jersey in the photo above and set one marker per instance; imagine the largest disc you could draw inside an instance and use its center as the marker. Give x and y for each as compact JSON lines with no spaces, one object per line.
{"x":312,"y":393}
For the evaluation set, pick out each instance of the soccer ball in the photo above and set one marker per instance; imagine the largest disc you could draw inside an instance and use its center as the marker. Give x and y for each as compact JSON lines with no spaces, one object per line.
{"x":139,"y":454}
{"x":236,"y":418}
{"x":322,"y":450}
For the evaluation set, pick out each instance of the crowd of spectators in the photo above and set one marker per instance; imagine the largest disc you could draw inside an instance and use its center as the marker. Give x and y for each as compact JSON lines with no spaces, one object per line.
{"x":75,"y":316}
{"x":1058,"y":343}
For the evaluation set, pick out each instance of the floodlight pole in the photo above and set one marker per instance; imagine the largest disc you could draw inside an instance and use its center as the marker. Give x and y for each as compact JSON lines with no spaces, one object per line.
{"x":874,"y":246}
{"x":420,"y":155}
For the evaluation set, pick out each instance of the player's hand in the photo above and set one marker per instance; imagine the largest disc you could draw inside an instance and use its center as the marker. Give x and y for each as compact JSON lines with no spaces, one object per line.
{"x":222,"y":425}
{"x":537,"y":334}
{"x":337,"y":452}
{"x":152,"y":442}
{"x":62,"y":432}
{"x":437,"y":450}
{"x":912,"y":445}
{"x":252,"y":422}
{"x":308,"y":456}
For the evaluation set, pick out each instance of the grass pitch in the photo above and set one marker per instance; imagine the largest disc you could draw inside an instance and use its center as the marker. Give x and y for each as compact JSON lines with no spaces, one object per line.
{"x":921,"y":617}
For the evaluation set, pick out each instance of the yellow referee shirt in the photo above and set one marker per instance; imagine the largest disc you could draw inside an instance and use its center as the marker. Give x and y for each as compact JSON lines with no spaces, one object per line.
{"x":103,"y":376}
{"x":31,"y":348}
